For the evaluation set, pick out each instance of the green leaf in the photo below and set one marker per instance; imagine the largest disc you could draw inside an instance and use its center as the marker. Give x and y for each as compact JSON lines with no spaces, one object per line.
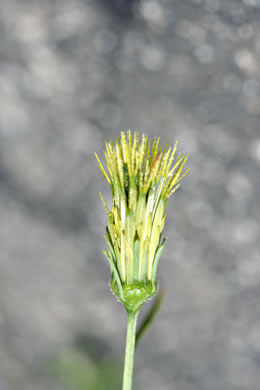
{"x":76,"y":371}
{"x":150,"y":316}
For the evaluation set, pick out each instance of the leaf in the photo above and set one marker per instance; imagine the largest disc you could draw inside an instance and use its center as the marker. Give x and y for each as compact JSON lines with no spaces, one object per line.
{"x":150,"y":316}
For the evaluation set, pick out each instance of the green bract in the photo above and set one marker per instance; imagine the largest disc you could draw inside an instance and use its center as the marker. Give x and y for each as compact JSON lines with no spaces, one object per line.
{"x":142,"y":177}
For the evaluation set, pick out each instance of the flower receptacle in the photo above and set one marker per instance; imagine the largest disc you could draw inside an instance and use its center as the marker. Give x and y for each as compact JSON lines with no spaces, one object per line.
{"x":135,"y":295}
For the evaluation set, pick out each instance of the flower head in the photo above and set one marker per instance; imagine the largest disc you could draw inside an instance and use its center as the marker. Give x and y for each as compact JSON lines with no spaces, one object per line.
{"x":142,"y":177}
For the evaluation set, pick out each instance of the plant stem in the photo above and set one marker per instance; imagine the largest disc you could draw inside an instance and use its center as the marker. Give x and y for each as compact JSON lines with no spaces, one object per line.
{"x":129,"y":351}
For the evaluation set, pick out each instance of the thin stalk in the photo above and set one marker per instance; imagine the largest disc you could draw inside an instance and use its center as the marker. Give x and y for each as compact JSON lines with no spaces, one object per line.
{"x":129,"y":351}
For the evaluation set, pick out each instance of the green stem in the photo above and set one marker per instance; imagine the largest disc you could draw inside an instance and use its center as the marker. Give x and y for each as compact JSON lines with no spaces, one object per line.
{"x":129,"y":351}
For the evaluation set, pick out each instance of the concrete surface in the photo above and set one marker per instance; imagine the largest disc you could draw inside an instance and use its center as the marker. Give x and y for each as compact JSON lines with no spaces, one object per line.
{"x":74,"y":73}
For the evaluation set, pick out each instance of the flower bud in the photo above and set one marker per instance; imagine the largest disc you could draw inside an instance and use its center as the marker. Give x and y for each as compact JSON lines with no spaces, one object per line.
{"x":142,"y":177}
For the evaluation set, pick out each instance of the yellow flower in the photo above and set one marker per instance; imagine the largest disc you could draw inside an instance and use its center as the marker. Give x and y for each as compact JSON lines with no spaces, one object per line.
{"x":142,"y":177}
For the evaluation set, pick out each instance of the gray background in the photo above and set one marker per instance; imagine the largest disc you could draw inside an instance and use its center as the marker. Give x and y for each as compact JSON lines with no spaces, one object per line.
{"x":74,"y":73}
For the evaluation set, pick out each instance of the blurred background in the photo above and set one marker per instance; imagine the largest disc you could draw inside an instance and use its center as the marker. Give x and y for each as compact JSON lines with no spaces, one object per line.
{"x":72,"y":74}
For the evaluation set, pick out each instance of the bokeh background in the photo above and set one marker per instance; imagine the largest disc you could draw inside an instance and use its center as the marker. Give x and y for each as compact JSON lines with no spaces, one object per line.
{"x":72,"y":74}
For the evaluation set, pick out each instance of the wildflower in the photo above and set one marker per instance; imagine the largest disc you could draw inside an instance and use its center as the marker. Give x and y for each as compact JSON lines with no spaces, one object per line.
{"x":142,"y":177}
